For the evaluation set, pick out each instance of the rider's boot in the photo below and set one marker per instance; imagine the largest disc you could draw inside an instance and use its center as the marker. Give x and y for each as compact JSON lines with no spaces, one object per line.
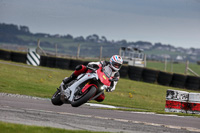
{"x":69,"y":79}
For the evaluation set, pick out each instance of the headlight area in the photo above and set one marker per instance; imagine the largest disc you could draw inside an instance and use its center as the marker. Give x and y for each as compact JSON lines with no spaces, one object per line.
{"x":103,"y":87}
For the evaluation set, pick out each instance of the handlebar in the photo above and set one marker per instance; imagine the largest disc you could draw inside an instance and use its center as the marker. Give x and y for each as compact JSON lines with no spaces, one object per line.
{"x":114,"y":79}
{"x":93,"y":69}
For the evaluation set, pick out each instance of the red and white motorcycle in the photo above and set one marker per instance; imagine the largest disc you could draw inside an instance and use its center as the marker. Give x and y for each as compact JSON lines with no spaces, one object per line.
{"x":87,"y":86}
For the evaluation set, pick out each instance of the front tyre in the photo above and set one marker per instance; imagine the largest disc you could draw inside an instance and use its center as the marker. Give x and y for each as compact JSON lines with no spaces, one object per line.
{"x":84,"y":97}
{"x":56,"y":98}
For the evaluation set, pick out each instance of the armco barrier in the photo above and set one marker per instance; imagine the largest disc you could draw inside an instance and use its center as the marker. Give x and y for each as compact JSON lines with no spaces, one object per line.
{"x":176,"y":101}
{"x":194,"y":103}
{"x":5,"y":55}
{"x":149,"y":75}
{"x":18,"y":57}
{"x":135,"y":73}
{"x":164,"y":78}
{"x":178,"y":80}
{"x":192,"y":83}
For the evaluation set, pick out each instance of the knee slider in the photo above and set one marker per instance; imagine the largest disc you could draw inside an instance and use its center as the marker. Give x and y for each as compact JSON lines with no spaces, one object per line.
{"x":79,"y":67}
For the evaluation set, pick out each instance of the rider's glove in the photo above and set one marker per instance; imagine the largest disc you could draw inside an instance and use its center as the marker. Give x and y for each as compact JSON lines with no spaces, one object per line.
{"x":108,"y":89}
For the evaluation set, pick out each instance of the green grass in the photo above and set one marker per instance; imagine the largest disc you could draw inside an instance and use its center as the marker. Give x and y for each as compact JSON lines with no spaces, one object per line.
{"x":177,"y":68}
{"x":42,"y":82}
{"x":18,"y":128}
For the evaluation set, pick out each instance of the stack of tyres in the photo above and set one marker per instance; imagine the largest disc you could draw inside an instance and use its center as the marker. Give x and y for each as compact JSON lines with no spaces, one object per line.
{"x":150,"y":75}
{"x":51,"y":61}
{"x":18,"y":57}
{"x":178,"y":80}
{"x":192,"y":83}
{"x":5,"y":55}
{"x":86,"y":63}
{"x":43,"y":60}
{"x":62,"y":63}
{"x":194,"y":103}
{"x":123,"y":71}
{"x":74,"y":63}
{"x":135,"y":73}
{"x":164,"y":78}
{"x":176,"y":101}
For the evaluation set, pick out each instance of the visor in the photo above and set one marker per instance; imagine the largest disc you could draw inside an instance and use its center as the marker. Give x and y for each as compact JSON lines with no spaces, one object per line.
{"x":116,"y":65}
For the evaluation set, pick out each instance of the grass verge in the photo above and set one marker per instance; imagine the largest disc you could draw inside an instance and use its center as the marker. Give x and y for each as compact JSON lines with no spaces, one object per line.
{"x":18,"y":128}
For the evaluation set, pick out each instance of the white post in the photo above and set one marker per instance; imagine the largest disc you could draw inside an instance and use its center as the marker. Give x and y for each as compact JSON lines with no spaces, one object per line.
{"x":171,"y":65}
{"x":100,"y":57}
{"x":39,"y":48}
{"x":120,"y":51}
{"x":186,"y":67}
{"x":78,"y":51}
{"x":56,"y":49}
{"x":165,"y":64}
{"x":145,"y":60}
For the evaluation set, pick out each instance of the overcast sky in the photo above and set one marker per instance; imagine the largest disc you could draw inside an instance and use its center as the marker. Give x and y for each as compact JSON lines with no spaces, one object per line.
{"x":174,"y":22}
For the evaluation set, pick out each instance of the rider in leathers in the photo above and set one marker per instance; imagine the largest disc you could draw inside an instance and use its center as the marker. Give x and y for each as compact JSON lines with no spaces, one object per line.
{"x":115,"y":64}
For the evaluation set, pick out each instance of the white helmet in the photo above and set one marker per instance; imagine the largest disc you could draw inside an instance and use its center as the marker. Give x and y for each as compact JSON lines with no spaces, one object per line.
{"x":116,"y":62}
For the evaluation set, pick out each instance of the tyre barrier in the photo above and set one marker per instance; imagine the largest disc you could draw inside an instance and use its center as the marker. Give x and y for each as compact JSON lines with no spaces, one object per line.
{"x":18,"y":57}
{"x":178,"y":80}
{"x":62,"y":63}
{"x":43,"y":60}
{"x":5,"y":55}
{"x":135,"y":73}
{"x":51,"y":62}
{"x":123,"y":71}
{"x":164,"y":78}
{"x":149,"y":75}
{"x":192,"y":83}
{"x":194,"y":103}
{"x":176,"y":101}
{"x":74,"y":63}
{"x":86,"y":63}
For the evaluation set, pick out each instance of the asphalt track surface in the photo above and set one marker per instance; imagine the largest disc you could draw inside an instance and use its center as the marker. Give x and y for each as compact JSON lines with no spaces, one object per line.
{"x":37,"y":111}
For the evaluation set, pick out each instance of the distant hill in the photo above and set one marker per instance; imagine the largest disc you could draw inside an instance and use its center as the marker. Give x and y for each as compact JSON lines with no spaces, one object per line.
{"x":11,"y":34}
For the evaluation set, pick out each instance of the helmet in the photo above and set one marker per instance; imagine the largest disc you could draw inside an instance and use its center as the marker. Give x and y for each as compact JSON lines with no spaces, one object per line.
{"x":116,"y":62}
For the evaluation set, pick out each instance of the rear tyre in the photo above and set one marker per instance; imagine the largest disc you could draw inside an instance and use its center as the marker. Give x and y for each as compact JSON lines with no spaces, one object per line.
{"x":56,"y":98}
{"x":84,"y":97}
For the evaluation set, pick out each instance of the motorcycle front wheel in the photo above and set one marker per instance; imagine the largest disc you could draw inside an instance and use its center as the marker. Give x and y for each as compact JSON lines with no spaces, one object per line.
{"x":83,"y":98}
{"x":56,"y":98}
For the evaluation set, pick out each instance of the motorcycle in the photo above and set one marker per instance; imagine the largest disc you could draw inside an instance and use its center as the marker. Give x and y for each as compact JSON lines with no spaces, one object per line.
{"x":87,"y":86}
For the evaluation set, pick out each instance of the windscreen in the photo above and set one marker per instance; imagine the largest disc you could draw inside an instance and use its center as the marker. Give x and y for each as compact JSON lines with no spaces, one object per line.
{"x":108,"y":71}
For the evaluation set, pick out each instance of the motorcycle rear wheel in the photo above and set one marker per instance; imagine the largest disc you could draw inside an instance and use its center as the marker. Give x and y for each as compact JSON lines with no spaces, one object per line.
{"x":84,"y":97}
{"x":56,"y":98}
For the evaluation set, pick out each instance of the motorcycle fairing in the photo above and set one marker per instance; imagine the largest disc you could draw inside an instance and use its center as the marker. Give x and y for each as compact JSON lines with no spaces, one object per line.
{"x":83,"y":78}
{"x":88,"y":86}
{"x":103,"y":78}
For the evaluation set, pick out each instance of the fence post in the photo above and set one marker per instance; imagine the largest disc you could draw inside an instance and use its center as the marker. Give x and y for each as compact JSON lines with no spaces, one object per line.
{"x":120,"y":51}
{"x":186,"y":67}
{"x":171,"y":65}
{"x":56,"y":49}
{"x":100,"y":57}
{"x":145,"y":60}
{"x":39,"y":48}
{"x":78,"y":51}
{"x":165,"y":64}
